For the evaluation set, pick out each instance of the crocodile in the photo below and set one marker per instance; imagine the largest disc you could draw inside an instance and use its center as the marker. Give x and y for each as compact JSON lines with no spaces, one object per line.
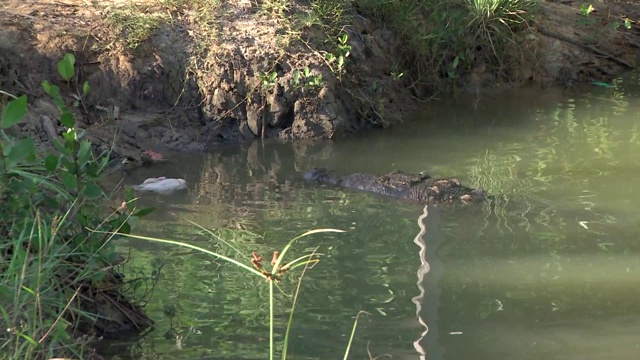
{"x":420,"y":188}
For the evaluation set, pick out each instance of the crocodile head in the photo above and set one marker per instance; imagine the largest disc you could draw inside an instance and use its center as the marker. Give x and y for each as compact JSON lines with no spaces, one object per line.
{"x":322,"y":175}
{"x":474,"y":195}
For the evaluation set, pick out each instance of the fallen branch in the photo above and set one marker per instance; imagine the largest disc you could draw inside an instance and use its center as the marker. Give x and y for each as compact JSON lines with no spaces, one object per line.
{"x":586,"y":47}
{"x":631,"y":42}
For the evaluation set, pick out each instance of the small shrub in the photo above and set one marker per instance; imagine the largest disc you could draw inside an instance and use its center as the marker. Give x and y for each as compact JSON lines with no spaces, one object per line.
{"x":268,"y":81}
{"x":306,"y":81}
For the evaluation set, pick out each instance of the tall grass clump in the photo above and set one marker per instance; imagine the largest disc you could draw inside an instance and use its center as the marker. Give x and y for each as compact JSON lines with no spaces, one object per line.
{"x":442,"y":40}
{"x":498,"y":26}
{"x":53,"y":268}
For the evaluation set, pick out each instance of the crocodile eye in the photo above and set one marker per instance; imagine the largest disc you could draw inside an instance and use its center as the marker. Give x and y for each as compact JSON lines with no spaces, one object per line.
{"x":466,"y":198}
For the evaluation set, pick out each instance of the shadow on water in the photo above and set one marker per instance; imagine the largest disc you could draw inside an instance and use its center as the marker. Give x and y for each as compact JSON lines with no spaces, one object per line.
{"x":548,"y":269}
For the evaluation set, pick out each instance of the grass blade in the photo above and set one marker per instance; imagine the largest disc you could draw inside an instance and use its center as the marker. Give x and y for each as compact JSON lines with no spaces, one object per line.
{"x":353,"y":333}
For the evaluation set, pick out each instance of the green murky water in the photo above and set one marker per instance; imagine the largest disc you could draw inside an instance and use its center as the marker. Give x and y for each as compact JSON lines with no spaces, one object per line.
{"x":548,"y":270}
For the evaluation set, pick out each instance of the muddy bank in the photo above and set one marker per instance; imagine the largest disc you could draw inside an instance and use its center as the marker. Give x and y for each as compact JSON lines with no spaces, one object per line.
{"x":190,"y":82}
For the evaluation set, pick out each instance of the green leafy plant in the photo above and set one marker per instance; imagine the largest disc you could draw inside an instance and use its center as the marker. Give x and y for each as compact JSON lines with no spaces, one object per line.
{"x":343,"y":45}
{"x":268,"y":80}
{"x":295,"y":79}
{"x":78,"y":98}
{"x":66,"y":67}
{"x":343,"y":52}
{"x":305,"y":80}
{"x":314,"y":81}
{"x":615,"y":25}
{"x":586,"y":9}
{"x":14,"y":112}
{"x":51,"y":259}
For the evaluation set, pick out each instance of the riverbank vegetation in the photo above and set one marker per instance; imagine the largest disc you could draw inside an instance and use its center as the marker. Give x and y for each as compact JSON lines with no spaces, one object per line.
{"x":444,"y":40}
{"x":60,"y":288}
{"x":438,"y":46}
{"x":57,"y":253}
{"x":438,"y":39}
{"x":239,"y":70}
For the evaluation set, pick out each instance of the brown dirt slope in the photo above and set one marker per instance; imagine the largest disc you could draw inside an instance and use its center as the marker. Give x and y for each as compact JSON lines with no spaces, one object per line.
{"x":575,"y":47}
{"x":190,"y":80}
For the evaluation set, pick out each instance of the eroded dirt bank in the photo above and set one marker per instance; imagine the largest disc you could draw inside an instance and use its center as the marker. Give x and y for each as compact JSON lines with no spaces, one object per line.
{"x":190,"y":81}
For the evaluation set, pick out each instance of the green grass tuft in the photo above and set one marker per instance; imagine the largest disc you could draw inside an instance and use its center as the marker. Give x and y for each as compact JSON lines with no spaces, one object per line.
{"x":133,"y":24}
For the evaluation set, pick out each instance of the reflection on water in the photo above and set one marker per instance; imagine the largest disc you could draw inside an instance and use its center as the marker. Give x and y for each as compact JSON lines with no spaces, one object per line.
{"x":547,"y":269}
